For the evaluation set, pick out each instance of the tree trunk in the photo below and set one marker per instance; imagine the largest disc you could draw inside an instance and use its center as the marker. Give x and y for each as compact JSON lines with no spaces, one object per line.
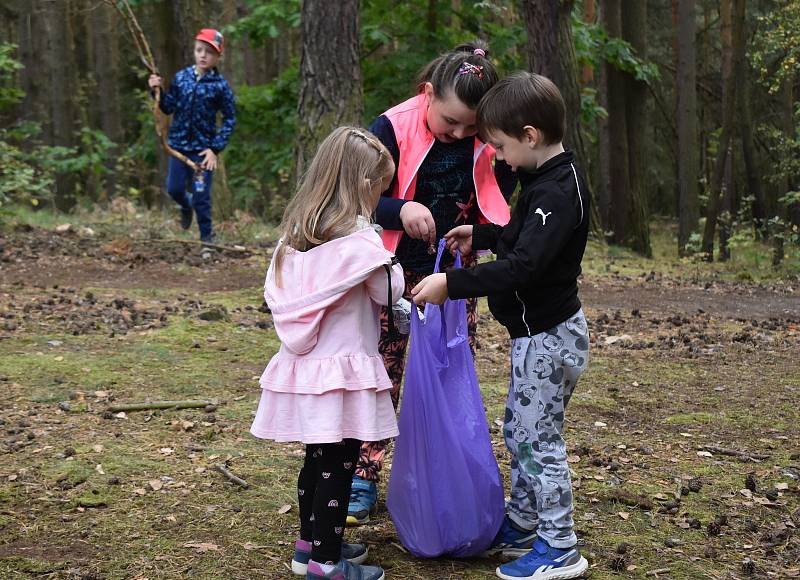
{"x":749,"y":154}
{"x":688,"y":154}
{"x":619,"y":192}
{"x":61,"y":86}
{"x":105,"y":24}
{"x":634,"y":30}
{"x":732,"y":51}
{"x":330,"y":74}
{"x":551,"y":53}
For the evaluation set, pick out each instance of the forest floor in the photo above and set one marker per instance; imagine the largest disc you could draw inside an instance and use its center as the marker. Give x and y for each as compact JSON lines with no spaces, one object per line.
{"x":683,"y":433}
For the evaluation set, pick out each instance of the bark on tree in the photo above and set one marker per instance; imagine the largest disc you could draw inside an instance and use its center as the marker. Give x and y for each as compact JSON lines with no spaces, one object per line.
{"x":688,"y":211}
{"x":61,"y":86}
{"x":106,"y":60}
{"x":634,"y":30}
{"x":749,"y":154}
{"x":732,"y":51}
{"x":551,"y":53}
{"x":619,"y":192}
{"x":330,"y":74}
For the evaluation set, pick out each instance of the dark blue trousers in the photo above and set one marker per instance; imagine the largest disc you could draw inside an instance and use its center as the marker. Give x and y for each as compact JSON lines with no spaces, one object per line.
{"x":180,"y":184}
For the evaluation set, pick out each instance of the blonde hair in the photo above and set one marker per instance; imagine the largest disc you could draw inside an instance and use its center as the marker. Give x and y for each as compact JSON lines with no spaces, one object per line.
{"x":344,"y":181}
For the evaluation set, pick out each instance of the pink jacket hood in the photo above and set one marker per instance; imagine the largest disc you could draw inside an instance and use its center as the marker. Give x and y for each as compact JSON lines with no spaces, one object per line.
{"x":314,"y":280}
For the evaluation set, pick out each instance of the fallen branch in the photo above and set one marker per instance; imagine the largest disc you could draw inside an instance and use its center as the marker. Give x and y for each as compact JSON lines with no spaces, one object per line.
{"x":657,"y":572}
{"x":158,"y":405}
{"x":196,"y":242}
{"x":230,"y":476}
{"x":736,"y":453}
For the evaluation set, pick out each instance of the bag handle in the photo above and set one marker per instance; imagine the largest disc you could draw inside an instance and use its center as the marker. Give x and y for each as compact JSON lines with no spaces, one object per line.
{"x":390,"y":313}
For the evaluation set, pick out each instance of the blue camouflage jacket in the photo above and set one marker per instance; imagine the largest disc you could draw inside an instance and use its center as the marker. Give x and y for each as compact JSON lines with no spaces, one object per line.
{"x":194,"y":105}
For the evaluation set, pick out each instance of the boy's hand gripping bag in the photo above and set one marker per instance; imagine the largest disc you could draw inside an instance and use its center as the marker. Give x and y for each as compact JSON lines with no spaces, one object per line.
{"x":445,"y":494}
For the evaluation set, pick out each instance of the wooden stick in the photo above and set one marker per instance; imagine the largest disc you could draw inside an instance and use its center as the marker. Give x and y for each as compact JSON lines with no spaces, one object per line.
{"x":158,"y":405}
{"x":657,"y":572}
{"x":230,"y":476}
{"x":195,"y":242}
{"x":736,"y":453}
{"x":146,"y":56}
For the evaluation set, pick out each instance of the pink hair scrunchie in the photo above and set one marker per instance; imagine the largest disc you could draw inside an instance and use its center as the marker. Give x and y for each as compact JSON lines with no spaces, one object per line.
{"x":479,"y":52}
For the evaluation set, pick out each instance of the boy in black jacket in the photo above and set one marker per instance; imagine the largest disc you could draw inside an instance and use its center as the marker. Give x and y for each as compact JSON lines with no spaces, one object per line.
{"x":533,"y":291}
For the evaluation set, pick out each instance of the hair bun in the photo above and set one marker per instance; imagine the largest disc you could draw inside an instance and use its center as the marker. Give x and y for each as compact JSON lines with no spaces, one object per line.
{"x":477,"y":48}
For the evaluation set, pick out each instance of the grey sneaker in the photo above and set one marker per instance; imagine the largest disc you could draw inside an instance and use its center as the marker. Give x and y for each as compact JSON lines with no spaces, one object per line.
{"x":344,"y":570}
{"x":354,"y":553}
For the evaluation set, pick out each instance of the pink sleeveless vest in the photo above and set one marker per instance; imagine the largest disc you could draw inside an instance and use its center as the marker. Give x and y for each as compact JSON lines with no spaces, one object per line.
{"x":415,"y":141}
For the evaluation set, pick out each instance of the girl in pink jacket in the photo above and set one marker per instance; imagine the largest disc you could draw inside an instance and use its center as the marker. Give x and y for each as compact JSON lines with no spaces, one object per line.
{"x":327,"y":385}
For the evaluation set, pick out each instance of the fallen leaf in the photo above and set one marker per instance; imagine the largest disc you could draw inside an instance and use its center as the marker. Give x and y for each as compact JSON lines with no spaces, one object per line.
{"x":155,"y":484}
{"x":600,"y":424}
{"x":59,"y":358}
{"x":573,"y":459}
{"x":140,"y":491}
{"x":624,"y":515}
{"x":284,"y":508}
{"x":121,"y":415}
{"x":782,"y":486}
{"x":99,"y":469}
{"x":98,"y":448}
{"x":166,"y":451}
{"x":202,"y":546}
{"x":704,"y":454}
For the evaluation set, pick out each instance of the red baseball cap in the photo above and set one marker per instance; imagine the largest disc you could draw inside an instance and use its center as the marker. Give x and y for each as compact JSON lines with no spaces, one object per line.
{"x":212,"y":37}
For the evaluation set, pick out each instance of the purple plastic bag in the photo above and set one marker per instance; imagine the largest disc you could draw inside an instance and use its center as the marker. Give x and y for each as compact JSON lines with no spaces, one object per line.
{"x":445,"y":493}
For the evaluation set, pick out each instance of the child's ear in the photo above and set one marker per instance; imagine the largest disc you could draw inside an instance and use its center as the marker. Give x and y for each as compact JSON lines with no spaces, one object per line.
{"x":428,"y":88}
{"x":531,"y":136}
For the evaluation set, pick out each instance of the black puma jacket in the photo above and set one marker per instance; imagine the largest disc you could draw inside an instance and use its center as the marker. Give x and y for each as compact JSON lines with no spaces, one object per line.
{"x":532,"y":285}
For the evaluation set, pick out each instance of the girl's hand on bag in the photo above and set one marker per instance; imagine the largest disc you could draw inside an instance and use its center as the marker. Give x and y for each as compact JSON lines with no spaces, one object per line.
{"x":418,"y":222}
{"x":209,"y":161}
{"x":432,"y":289}
{"x":459,"y":239}
{"x":155,"y":81}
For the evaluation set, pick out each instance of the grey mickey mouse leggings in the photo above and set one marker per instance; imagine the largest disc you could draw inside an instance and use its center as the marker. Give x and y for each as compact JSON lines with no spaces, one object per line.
{"x":323,"y":492}
{"x":544,"y":370}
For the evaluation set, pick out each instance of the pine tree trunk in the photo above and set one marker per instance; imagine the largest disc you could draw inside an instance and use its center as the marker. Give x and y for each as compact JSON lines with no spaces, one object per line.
{"x":106,"y":60}
{"x":732,"y":51}
{"x":330,"y":74}
{"x":749,"y":154}
{"x":688,"y":154}
{"x":551,"y":53}
{"x":61,"y":85}
{"x":617,"y":131}
{"x":634,"y":30}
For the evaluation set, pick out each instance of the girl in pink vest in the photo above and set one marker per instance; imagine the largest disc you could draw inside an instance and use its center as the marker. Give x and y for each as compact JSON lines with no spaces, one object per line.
{"x":327,"y":386}
{"x":445,"y":177}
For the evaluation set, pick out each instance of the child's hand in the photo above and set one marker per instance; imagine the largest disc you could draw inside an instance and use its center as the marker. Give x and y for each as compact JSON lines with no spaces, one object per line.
{"x":209,"y":161}
{"x":418,"y":222}
{"x":459,"y":239}
{"x":155,"y":81}
{"x":432,"y":289}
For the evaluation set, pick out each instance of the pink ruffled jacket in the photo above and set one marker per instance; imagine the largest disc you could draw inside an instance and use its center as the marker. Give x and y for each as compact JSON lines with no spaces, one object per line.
{"x":326,"y":314}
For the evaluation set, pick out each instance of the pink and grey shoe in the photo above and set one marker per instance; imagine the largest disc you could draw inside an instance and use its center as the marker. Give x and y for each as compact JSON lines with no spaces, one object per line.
{"x":354,"y":553}
{"x":343,"y":570}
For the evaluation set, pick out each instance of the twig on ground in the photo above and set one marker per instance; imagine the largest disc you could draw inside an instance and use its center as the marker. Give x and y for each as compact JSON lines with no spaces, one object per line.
{"x":158,"y":405}
{"x":735,"y":453}
{"x":230,"y":476}
{"x":196,"y":242}
{"x":657,"y":572}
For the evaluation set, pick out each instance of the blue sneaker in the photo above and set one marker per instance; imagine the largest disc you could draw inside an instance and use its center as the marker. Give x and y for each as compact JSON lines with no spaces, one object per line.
{"x":353,"y":553}
{"x":363,"y":501}
{"x":545,"y":563}
{"x":343,"y":570}
{"x":511,"y":542}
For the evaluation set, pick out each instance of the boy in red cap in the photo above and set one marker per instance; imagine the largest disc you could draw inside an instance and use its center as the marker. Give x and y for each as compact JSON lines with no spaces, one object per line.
{"x":194,"y":98}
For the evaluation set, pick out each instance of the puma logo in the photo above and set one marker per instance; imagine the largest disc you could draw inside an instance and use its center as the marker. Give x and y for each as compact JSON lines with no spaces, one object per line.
{"x":544,"y":215}
{"x":326,"y":474}
{"x":333,"y":503}
{"x":301,"y":492}
{"x":348,"y":464}
{"x":338,"y":530}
